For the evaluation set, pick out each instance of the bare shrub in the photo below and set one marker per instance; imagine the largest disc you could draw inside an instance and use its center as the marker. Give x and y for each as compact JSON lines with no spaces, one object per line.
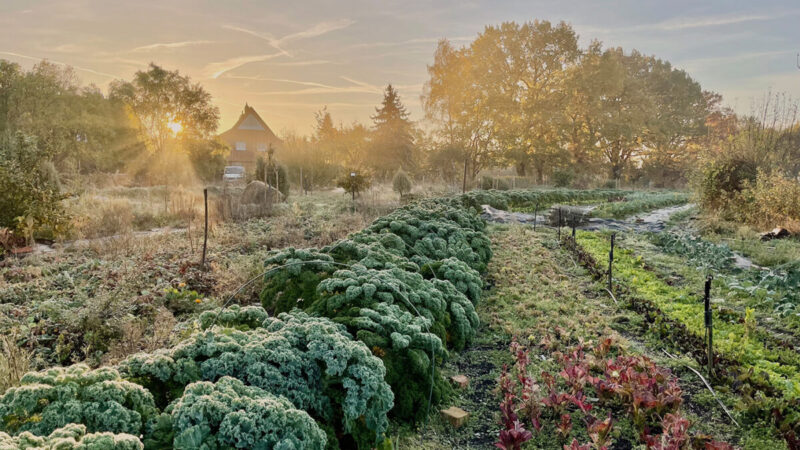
{"x":142,"y":335}
{"x":15,"y":360}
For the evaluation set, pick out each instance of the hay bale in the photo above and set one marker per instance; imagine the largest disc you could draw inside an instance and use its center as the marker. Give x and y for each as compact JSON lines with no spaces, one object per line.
{"x":254,"y":194}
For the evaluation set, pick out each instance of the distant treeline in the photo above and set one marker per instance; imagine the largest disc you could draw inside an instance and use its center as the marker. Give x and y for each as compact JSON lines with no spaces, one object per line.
{"x":523,"y":96}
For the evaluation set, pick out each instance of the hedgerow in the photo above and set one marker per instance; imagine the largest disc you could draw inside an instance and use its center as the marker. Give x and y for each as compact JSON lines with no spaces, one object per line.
{"x":639,"y":202}
{"x":523,"y":198}
{"x":70,"y":437}
{"x":311,"y":361}
{"x":99,"y":399}
{"x":229,"y":414}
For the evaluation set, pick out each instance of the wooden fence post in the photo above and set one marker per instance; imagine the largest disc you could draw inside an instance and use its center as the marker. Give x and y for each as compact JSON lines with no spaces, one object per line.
{"x":205,"y":232}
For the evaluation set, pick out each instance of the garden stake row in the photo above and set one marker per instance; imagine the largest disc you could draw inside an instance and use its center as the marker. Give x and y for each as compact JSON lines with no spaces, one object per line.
{"x":728,"y":372}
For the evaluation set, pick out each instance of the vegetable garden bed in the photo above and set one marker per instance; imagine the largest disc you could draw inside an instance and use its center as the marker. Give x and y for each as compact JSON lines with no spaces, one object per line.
{"x":746,"y":362}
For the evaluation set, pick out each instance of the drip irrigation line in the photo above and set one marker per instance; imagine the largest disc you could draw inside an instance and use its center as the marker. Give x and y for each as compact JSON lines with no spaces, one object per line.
{"x":612,"y":296}
{"x":707,"y":386}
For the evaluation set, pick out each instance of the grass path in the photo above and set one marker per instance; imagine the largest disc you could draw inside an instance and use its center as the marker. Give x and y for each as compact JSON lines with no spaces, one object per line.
{"x":539,"y":294}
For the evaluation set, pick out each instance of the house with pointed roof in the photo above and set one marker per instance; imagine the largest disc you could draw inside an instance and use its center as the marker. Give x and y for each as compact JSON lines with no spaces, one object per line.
{"x":249,"y":139}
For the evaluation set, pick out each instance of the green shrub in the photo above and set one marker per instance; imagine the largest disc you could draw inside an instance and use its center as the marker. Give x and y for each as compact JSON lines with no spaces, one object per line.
{"x":354,"y":184}
{"x":99,"y":399}
{"x":30,"y":198}
{"x":769,"y":201}
{"x":311,"y":361}
{"x":721,"y":179}
{"x":401,"y":183}
{"x":487,"y":182}
{"x":229,"y":414}
{"x":71,"y":437}
{"x":563,"y":177}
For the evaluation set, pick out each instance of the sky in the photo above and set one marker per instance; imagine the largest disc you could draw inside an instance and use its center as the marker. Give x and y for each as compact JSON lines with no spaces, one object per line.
{"x":288,"y":59}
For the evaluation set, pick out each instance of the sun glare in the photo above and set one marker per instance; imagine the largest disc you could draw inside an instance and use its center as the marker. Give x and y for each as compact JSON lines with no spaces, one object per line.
{"x":176,"y":127}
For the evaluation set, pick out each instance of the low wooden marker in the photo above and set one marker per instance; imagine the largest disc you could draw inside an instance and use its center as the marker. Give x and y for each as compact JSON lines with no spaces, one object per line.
{"x":460,"y":380}
{"x":455,"y":415}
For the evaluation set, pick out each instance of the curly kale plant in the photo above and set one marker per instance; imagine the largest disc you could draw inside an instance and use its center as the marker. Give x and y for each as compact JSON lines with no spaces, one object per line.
{"x":293,"y":282}
{"x":466,"y":279}
{"x":71,"y":437}
{"x":360,"y":287}
{"x":397,"y":314}
{"x":369,"y":250}
{"x":229,"y":414}
{"x":434,"y":239}
{"x":100,"y":399}
{"x":234,"y":316}
{"x":450,"y":313}
{"x":311,"y":361}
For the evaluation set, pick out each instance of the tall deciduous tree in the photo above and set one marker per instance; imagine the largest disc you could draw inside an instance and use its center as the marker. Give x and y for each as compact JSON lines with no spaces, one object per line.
{"x":165,"y":103}
{"x":453,"y":100}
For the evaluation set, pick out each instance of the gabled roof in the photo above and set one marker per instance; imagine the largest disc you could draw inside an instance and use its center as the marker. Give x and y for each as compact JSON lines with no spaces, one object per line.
{"x":245,"y":124}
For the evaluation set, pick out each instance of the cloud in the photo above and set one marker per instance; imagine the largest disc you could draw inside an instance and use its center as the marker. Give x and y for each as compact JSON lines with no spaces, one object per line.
{"x":358,"y":87}
{"x":214,"y":70}
{"x":362,"y":84}
{"x":170,"y":45}
{"x":278,"y":43}
{"x":82,"y":69}
{"x":312,"y":62}
{"x":729,"y":59}
{"x":429,"y":40}
{"x":711,"y":21}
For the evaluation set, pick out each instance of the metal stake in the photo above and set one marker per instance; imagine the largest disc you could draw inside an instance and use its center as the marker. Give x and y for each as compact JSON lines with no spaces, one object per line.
{"x":559,"y":224}
{"x":535,"y":210}
{"x":611,"y":260}
{"x":709,"y":324}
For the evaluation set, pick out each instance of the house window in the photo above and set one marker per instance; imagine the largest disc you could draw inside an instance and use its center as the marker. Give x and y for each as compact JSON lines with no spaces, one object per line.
{"x":241,"y":146}
{"x":262,"y":147}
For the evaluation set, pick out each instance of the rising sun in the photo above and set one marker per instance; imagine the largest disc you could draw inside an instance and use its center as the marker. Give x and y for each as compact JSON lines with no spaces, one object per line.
{"x":176,"y":127}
